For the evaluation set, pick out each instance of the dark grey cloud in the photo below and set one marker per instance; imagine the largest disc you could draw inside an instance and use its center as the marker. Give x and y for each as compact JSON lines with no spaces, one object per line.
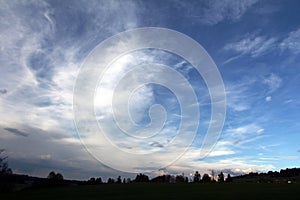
{"x":16,"y":132}
{"x":3,"y":91}
{"x":162,"y":169}
{"x":237,"y":141}
{"x":51,"y":150}
{"x":41,"y":168}
{"x":156,"y":144}
{"x":298,"y":150}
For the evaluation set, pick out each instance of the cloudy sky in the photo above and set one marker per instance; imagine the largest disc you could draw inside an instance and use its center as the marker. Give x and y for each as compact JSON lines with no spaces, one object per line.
{"x":46,"y":44}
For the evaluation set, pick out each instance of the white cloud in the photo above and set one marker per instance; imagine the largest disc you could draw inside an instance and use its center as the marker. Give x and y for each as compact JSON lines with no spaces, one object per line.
{"x":238,"y":95}
{"x":273,"y":82}
{"x":268,"y":98}
{"x":247,"y":129}
{"x":221,"y":153}
{"x":260,"y":131}
{"x":214,"y":12}
{"x":142,"y":98}
{"x":243,"y":137}
{"x":190,"y":162}
{"x":288,"y":101}
{"x":252,"y":45}
{"x":232,"y":165}
{"x":268,"y":147}
{"x":45,"y":91}
{"x":286,"y":157}
{"x":256,"y":46}
{"x":277,"y":158}
{"x":292,"y":42}
{"x":45,"y":157}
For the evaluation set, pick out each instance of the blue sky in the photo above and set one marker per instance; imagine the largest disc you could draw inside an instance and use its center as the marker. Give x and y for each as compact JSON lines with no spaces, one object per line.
{"x":255,"y":45}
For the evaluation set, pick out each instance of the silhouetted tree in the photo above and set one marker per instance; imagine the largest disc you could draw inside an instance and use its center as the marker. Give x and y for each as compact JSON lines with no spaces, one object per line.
{"x":253,"y":174}
{"x":273,"y":174}
{"x":228,"y":179}
{"x":197,"y":177}
{"x":92,"y":181}
{"x":6,"y":182}
{"x":179,"y":179}
{"x":186,"y":180}
{"x":124,"y":180}
{"x":4,"y":169}
{"x":119,"y":179}
{"x":51,"y":175}
{"x":172,"y":179}
{"x":141,"y":178}
{"x":290,"y":172}
{"x":110,"y":180}
{"x":99,"y":180}
{"x":55,"y":178}
{"x":59,"y":177}
{"x":270,"y":173}
{"x":221,"y":177}
{"x":206,"y":178}
{"x":166,"y":178}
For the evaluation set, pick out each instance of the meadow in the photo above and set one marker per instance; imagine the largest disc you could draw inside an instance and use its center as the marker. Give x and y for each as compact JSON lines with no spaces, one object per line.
{"x":163,"y":191}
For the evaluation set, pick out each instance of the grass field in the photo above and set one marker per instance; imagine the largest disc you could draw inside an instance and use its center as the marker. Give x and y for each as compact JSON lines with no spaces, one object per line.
{"x":163,"y":191}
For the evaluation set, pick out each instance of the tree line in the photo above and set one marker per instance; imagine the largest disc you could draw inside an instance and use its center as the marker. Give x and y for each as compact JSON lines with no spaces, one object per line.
{"x":8,"y":179}
{"x":166,"y":178}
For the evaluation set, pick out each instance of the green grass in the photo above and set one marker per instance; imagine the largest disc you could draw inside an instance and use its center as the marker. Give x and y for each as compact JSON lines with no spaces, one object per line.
{"x":164,"y":191}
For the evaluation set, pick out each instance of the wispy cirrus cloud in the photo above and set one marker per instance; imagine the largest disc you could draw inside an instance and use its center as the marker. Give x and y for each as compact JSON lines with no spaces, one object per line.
{"x":243,"y":134}
{"x":239,"y":95}
{"x":258,"y":45}
{"x":217,"y":11}
{"x":268,"y":147}
{"x":273,"y":82}
{"x":277,"y":158}
{"x":214,"y":12}
{"x":254,"y":46}
{"x":247,"y":129}
{"x":286,"y":157}
{"x":46,"y":58}
{"x":291,"y":42}
{"x":40,"y":58}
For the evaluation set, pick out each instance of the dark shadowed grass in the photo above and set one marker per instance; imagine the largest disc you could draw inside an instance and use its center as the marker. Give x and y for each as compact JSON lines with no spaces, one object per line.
{"x":163,"y":191}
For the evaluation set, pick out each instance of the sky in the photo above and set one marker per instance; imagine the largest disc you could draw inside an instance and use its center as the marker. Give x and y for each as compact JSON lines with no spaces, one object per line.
{"x":152,"y":108}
